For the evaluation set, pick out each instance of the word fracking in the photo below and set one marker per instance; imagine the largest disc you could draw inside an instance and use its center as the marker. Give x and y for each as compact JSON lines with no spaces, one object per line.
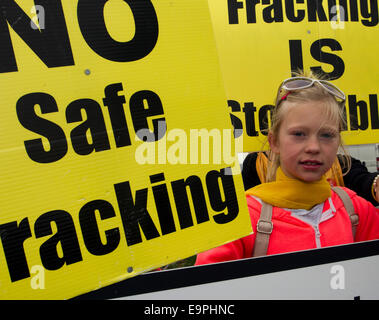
{"x":136,"y":216}
{"x":311,"y":10}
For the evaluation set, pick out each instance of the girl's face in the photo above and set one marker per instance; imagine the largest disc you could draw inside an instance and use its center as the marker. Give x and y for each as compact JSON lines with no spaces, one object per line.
{"x":307,"y":141}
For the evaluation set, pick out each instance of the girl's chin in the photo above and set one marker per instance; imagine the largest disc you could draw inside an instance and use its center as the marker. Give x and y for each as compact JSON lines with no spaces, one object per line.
{"x":310,"y":178}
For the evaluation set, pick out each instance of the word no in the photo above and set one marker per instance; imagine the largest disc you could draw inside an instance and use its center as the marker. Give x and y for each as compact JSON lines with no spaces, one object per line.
{"x":51,"y":43}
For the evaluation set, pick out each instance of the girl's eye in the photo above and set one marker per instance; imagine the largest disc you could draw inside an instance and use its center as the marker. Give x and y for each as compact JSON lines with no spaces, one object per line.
{"x":328,"y":135}
{"x":298,"y":133}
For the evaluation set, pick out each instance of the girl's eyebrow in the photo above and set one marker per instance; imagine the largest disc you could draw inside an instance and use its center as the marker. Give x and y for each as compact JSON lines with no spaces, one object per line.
{"x":298,"y":127}
{"x":330,"y":128}
{"x":323,"y":127}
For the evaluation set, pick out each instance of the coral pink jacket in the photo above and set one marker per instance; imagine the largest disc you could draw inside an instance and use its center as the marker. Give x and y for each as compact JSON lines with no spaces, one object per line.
{"x":291,"y":234}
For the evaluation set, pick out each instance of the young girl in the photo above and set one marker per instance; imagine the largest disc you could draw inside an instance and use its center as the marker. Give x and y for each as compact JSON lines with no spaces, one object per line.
{"x":306,"y":213}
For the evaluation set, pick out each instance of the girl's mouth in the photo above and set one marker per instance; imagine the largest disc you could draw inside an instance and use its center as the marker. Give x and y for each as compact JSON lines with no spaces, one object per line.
{"x":311,"y":164}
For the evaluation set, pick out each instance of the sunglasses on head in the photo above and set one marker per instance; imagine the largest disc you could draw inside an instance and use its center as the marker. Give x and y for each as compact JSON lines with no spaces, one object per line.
{"x":298,"y":83}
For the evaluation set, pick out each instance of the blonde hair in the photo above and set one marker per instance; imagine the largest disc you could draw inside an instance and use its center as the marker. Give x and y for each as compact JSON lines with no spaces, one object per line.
{"x":334,"y":110}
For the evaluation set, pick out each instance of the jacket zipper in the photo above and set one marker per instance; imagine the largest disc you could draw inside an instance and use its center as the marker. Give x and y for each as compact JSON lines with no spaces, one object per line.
{"x":317,"y":236}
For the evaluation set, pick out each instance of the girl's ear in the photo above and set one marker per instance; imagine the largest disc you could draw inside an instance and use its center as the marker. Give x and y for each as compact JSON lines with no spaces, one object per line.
{"x":274,"y":144}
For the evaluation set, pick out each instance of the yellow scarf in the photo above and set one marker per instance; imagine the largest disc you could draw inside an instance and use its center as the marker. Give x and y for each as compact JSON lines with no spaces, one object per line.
{"x":292,"y":193}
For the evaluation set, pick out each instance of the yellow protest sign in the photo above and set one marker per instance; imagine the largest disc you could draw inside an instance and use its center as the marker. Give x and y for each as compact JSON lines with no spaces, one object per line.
{"x":260,"y":42}
{"x":109,"y":111}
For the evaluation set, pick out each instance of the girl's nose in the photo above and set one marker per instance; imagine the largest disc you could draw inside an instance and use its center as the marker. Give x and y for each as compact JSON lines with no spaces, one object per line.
{"x":313,"y":145}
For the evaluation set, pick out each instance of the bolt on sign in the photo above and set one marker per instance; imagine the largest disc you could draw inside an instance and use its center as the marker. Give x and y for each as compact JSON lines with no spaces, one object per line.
{"x":261,"y":43}
{"x":117,"y":147}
